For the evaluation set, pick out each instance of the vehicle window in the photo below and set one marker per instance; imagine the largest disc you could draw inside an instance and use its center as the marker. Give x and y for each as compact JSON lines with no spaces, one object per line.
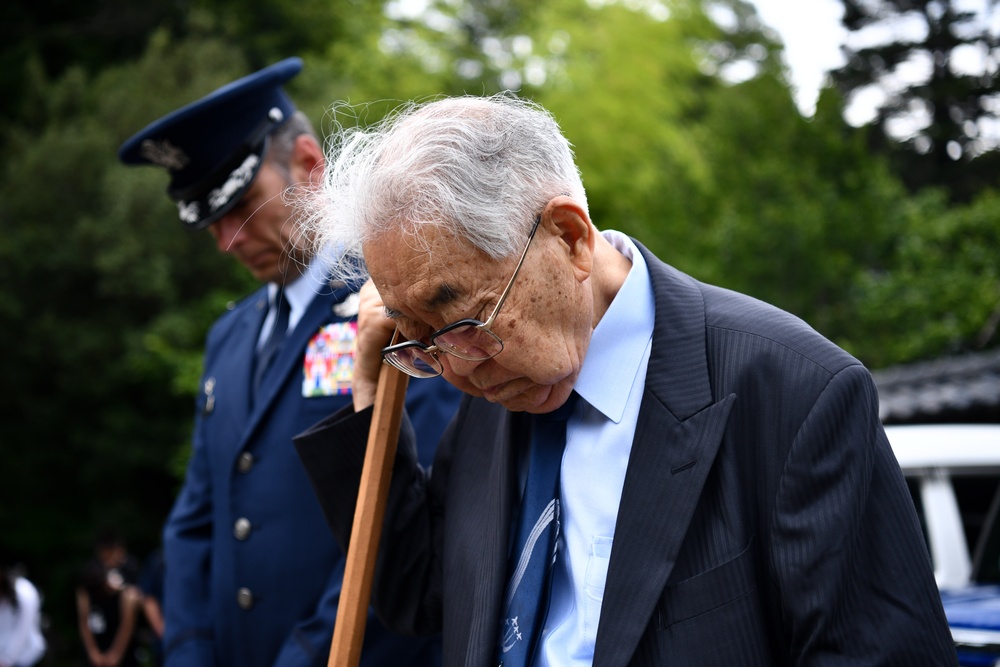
{"x":974,"y":494}
{"x":913,"y":484}
{"x":987,"y":563}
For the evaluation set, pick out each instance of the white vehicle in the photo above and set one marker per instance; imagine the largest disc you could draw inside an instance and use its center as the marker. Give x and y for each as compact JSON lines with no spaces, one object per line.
{"x":953,"y":472}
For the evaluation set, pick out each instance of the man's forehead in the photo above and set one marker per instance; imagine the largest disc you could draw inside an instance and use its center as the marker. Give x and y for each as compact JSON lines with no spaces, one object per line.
{"x":423,"y":277}
{"x":427,"y":293}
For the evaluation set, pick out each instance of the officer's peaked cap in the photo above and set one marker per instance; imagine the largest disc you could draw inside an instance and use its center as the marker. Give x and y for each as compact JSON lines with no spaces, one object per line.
{"x":214,"y":147}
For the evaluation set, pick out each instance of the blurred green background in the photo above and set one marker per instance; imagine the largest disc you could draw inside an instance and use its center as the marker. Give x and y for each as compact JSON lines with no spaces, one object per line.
{"x":685,"y":129}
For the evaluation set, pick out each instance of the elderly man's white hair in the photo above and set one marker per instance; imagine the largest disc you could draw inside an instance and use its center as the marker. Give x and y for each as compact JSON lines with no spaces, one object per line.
{"x":483,"y":167}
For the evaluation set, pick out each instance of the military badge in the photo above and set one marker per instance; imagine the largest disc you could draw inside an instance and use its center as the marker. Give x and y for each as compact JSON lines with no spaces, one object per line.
{"x":328,"y":366}
{"x":209,"y":406}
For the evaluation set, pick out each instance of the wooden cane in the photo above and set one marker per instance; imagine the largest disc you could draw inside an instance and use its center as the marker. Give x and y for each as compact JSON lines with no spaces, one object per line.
{"x":355,"y":594}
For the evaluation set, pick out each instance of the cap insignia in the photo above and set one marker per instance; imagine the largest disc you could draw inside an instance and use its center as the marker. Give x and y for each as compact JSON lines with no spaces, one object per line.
{"x":242,"y":175}
{"x":188,"y":212}
{"x":164,"y":153}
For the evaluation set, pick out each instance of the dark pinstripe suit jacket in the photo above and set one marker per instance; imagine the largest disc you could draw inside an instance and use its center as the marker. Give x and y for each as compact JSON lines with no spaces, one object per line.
{"x":763,"y":521}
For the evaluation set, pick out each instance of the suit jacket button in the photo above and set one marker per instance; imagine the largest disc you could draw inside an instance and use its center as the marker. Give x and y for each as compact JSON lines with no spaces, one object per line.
{"x":245,"y":462}
{"x":241,"y":529}
{"x":244,"y":598}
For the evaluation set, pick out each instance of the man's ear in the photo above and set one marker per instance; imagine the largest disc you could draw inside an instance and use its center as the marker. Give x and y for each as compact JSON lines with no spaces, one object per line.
{"x":307,"y":160}
{"x":570,"y":222}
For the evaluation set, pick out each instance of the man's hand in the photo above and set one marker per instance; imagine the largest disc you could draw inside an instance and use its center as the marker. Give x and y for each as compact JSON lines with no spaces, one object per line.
{"x":374,"y":333}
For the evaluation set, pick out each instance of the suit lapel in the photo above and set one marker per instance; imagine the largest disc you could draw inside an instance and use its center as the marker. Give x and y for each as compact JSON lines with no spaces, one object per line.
{"x":668,"y":466}
{"x":490,"y":536}
{"x":235,"y":366}
{"x":679,"y":429}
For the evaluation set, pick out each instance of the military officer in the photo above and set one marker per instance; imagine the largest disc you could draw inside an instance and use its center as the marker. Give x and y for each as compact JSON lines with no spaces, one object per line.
{"x":253,"y":575}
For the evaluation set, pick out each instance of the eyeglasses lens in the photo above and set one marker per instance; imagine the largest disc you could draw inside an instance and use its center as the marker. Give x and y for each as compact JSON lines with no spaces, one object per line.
{"x":415,"y":361}
{"x":470,"y":342}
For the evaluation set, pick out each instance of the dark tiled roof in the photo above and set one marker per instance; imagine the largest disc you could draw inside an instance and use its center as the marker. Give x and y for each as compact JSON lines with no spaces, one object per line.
{"x":950,"y":389}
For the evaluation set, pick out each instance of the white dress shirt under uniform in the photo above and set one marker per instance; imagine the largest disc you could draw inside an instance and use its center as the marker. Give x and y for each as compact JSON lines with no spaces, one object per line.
{"x":299,"y":292}
{"x":598,"y":443}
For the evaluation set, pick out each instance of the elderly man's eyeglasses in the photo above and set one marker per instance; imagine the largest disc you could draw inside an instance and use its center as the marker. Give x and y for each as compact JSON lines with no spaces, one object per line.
{"x":467,"y":339}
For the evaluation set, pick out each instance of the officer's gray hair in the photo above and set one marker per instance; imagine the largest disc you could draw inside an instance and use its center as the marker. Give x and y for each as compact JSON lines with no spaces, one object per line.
{"x":481,"y":167}
{"x":283,"y":142}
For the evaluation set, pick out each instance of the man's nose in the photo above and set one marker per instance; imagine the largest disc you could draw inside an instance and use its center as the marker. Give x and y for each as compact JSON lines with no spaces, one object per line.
{"x":459,"y":366}
{"x":226,"y":231}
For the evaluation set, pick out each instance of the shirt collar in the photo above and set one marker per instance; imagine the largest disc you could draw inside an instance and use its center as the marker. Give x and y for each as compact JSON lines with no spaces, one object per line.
{"x":622,"y":336}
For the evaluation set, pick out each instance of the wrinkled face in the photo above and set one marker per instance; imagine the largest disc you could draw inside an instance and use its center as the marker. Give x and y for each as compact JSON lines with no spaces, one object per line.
{"x":545,"y":323}
{"x":259,"y":231}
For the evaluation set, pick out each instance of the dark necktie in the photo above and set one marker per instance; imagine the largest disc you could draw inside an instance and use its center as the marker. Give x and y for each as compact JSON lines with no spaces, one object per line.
{"x":272,"y":340}
{"x":529,"y":569}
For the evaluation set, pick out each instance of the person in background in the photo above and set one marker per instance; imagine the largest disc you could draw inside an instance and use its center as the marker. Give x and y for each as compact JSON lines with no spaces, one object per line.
{"x":108,"y":604}
{"x":648,"y":471}
{"x":253,"y":577}
{"x":22,"y":643}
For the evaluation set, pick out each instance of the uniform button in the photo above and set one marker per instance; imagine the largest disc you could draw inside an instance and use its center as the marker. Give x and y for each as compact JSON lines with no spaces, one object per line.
{"x":241,"y":529}
{"x":245,"y":462}
{"x":244,"y":598}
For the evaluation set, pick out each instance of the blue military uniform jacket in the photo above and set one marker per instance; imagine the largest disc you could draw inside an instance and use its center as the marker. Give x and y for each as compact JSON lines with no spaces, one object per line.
{"x":253,"y":574}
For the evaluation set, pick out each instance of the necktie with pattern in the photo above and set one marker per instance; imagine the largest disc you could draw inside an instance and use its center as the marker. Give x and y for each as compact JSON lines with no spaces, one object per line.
{"x":530,"y":566}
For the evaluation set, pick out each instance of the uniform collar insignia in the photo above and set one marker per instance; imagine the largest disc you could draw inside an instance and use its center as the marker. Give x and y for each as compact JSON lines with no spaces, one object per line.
{"x":349,"y":306}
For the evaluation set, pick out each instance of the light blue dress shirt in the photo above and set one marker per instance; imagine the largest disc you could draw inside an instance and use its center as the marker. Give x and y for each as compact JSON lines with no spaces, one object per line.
{"x":598,"y":443}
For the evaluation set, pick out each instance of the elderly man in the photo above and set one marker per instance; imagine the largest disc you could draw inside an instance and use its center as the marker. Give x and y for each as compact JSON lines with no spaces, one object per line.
{"x":726,"y":495}
{"x":253,"y":576}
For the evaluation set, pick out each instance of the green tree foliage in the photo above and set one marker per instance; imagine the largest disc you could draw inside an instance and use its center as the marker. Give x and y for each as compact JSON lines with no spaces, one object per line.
{"x":802,"y":211}
{"x":950,"y":109}
{"x":441,"y":47}
{"x":938,"y":293}
{"x":725,"y":180}
{"x":103,"y":312}
{"x":625,"y":86}
{"x":54,"y":36}
{"x":269,"y":30}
